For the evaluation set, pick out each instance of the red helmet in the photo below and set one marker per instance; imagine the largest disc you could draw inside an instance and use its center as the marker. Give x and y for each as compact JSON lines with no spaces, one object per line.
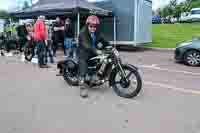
{"x":93,"y":20}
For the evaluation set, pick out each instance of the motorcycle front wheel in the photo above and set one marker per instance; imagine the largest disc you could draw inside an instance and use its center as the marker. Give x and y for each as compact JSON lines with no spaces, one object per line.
{"x":128,"y":87}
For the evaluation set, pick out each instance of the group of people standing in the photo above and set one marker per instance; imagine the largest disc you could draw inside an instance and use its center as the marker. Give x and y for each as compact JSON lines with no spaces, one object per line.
{"x":62,"y":35}
{"x":90,"y":43}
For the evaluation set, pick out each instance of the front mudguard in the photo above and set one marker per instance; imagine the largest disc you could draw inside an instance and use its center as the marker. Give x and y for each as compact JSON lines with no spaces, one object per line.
{"x":116,"y":69}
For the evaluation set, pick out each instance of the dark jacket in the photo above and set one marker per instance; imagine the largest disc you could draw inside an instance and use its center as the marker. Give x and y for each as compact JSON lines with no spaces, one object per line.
{"x":69,"y":33}
{"x":85,"y":43}
{"x":58,"y":36}
{"x":21,"y":31}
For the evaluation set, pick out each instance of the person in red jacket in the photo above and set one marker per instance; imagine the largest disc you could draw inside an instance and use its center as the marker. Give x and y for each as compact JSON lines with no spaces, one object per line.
{"x":40,"y":39}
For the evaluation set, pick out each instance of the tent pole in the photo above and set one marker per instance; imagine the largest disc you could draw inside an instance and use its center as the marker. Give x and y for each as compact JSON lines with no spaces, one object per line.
{"x":78,"y":24}
{"x":10,"y":19}
{"x":115,"y":33}
{"x":135,"y":22}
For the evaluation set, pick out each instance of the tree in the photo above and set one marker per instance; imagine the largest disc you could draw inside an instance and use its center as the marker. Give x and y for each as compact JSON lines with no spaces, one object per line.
{"x":195,"y":4}
{"x":182,"y":6}
{"x":174,"y":9}
{"x":153,"y":12}
{"x":166,"y":11}
{"x":158,"y":12}
{"x":173,"y":4}
{"x":189,"y":4}
{"x":26,"y":5}
{"x":4,"y":14}
{"x":177,"y":12}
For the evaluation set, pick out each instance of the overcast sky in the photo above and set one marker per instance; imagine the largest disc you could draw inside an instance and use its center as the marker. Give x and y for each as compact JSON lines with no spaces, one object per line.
{"x":9,"y":4}
{"x":161,"y":3}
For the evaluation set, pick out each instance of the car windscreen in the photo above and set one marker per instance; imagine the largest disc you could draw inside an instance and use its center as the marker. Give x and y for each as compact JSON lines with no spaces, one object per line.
{"x":195,"y":12}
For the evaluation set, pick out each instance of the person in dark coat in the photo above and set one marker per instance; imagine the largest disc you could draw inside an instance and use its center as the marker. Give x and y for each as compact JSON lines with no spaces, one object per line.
{"x":58,"y":35}
{"x":22,"y":34}
{"x":69,"y":35}
{"x":91,"y":42}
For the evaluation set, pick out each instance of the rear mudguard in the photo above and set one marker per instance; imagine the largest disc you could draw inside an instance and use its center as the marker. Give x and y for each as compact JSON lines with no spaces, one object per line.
{"x":64,"y":64}
{"x":116,"y":69}
{"x":73,"y":60}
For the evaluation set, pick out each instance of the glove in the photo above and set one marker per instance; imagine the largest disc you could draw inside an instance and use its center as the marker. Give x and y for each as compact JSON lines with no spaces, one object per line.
{"x":99,"y":52}
{"x":28,"y":38}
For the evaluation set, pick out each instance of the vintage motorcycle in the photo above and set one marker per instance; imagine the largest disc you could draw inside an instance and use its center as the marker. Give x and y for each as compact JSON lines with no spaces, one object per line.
{"x":123,"y":78}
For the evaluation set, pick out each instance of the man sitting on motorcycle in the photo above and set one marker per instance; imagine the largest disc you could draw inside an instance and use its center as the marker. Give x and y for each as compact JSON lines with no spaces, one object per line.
{"x":89,"y":38}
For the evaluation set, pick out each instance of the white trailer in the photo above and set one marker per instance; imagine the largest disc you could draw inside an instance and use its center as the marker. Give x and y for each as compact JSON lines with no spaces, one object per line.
{"x":132,"y":21}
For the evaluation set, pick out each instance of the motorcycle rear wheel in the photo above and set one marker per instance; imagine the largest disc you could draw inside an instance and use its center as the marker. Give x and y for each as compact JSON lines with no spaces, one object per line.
{"x":71,"y":78}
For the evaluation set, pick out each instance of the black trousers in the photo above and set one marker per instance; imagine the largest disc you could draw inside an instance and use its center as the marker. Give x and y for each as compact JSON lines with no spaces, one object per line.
{"x":22,"y":43}
{"x":83,"y":63}
{"x":56,"y":45}
{"x":41,"y":52}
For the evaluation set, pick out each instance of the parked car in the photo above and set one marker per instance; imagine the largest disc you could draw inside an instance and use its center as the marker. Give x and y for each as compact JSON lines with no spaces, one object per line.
{"x":192,"y":16}
{"x":188,"y":52}
{"x":195,"y":15}
{"x":167,"y":21}
{"x":156,"y":20}
{"x":185,"y":17}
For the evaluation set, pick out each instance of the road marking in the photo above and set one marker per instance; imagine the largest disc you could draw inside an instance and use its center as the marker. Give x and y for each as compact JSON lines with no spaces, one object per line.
{"x":154,"y":66}
{"x":190,"y":91}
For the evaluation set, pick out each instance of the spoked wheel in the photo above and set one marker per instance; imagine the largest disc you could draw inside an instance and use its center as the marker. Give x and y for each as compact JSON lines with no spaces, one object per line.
{"x":70,"y":77}
{"x":192,"y":58}
{"x":128,"y":87}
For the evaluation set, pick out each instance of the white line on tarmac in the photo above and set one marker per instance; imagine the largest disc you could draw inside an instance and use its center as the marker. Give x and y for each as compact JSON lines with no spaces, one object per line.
{"x":190,"y":91}
{"x":154,"y":66}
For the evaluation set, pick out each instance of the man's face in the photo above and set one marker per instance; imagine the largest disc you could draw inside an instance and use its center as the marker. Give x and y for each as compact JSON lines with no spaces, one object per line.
{"x":42,"y":19}
{"x":57,"y":19}
{"x":67,"y":22}
{"x":92,"y":28}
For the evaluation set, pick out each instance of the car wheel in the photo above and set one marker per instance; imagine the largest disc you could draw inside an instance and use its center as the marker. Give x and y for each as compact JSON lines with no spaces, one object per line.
{"x":192,"y":58}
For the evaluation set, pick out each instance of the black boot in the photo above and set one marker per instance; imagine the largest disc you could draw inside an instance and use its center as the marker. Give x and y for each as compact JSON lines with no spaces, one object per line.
{"x":83,"y":89}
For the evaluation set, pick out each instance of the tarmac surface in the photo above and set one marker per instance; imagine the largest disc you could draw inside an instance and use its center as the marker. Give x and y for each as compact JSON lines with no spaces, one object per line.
{"x":34,"y":100}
